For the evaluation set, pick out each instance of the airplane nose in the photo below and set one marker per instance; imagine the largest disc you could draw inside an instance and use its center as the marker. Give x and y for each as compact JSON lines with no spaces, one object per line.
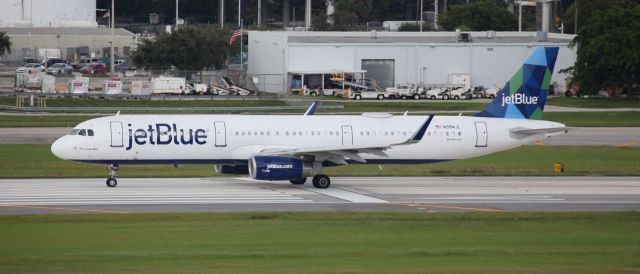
{"x":57,"y":148}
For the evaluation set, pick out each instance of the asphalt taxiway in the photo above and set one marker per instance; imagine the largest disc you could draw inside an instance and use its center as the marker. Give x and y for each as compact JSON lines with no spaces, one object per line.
{"x":583,"y":136}
{"x":425,"y":194}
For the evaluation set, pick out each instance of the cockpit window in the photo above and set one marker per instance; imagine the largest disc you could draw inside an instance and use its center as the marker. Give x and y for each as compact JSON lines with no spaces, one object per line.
{"x":74,"y":132}
{"x":82,"y":132}
{"x":90,"y":132}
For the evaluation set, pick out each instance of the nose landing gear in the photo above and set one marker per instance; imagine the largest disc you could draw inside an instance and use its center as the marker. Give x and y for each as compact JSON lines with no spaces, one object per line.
{"x":111,"y":181}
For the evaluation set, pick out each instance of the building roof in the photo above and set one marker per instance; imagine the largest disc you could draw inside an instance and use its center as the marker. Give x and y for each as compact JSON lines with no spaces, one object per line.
{"x":66,"y":31}
{"x":422,"y":37}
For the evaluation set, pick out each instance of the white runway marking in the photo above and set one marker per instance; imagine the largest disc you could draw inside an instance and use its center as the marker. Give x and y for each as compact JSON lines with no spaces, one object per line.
{"x":344,"y":195}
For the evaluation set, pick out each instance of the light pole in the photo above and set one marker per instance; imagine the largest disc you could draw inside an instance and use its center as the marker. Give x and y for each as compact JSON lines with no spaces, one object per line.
{"x":421,"y":12}
{"x":239,"y":14}
{"x":112,"y":16}
{"x":177,"y":14}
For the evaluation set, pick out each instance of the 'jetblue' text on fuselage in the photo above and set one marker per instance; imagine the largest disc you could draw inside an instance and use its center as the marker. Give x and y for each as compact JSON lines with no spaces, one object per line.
{"x":166,"y":134}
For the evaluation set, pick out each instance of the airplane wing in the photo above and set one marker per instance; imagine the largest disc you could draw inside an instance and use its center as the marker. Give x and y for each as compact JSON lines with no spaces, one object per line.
{"x":340,"y":154}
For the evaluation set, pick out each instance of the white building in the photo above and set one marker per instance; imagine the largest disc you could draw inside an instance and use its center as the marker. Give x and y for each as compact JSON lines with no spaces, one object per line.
{"x":392,"y":58}
{"x":47,"y":13}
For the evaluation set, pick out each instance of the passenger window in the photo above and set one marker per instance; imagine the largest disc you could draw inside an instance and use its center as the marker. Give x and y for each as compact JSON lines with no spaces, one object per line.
{"x":82,"y":132}
{"x":90,"y":132}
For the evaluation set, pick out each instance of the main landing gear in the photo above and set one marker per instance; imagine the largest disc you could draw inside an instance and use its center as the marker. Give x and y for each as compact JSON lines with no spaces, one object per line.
{"x":319,"y":181}
{"x":111,"y":181}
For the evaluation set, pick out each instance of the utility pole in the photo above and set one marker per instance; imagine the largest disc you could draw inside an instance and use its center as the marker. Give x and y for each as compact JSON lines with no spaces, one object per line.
{"x":239,"y":14}
{"x":221,"y":13}
{"x":435,"y":15}
{"x":111,"y":53}
{"x":177,"y":14}
{"x":307,"y":15}
{"x":259,"y":12}
{"x":520,"y":16}
{"x":421,"y":12}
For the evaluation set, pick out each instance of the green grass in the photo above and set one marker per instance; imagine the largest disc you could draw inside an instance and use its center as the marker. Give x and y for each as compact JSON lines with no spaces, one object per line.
{"x":595,"y":119}
{"x":93,"y":102}
{"x":36,"y":161}
{"x":572,"y":119}
{"x":322,"y":243}
{"x":594,"y":102}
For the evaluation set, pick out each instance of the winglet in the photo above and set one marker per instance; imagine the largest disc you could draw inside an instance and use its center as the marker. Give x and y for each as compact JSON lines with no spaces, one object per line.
{"x":312,"y":109}
{"x":419,"y":134}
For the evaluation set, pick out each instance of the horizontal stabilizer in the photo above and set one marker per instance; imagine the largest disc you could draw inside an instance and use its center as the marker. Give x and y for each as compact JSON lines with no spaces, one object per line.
{"x":532,"y":131}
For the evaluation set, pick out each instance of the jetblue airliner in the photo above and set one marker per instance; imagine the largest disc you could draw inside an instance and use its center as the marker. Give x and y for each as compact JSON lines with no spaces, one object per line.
{"x":286,"y":147}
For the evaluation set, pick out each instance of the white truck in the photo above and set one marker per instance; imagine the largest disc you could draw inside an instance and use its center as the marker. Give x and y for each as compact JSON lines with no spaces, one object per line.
{"x":369,"y":93}
{"x":169,"y":85}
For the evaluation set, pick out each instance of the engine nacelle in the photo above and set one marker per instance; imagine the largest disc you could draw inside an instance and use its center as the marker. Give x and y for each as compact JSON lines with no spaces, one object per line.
{"x":276,"y":168}
{"x":232,"y":169}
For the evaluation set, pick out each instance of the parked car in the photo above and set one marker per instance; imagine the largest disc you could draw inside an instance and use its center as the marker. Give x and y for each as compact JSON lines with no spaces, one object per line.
{"x":85,"y":62}
{"x":60,"y":68}
{"x":95,"y":68}
{"x":124,"y":66}
{"x":52,"y":61}
{"x":37,"y":67}
{"x":29,"y":60}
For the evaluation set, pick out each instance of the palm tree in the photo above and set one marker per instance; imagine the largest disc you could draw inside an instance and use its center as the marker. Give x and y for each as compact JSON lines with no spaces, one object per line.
{"x":5,"y":43}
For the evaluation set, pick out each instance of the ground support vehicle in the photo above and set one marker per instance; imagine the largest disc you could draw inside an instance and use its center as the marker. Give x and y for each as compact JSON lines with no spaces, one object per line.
{"x":438,"y":93}
{"x":458,"y":93}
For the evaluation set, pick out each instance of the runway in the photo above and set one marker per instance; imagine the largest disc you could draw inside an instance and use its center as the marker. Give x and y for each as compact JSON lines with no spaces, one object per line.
{"x":583,"y":136}
{"x":423,"y":194}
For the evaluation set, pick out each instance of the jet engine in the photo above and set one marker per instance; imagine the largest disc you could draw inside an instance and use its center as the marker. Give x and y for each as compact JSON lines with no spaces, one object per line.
{"x":276,"y":168}
{"x":232,"y":169}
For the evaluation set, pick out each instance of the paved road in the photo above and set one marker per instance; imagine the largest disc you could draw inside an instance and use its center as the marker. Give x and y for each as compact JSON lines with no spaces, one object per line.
{"x":428,"y":194}
{"x":577,"y":136}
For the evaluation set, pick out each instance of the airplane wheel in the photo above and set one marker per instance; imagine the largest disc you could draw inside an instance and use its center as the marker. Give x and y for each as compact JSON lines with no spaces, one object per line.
{"x":298,"y":181}
{"x":112,"y":182}
{"x":321,"y":181}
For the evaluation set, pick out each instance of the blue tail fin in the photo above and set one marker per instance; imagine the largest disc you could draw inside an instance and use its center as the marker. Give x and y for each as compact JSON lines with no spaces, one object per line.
{"x":523,"y":97}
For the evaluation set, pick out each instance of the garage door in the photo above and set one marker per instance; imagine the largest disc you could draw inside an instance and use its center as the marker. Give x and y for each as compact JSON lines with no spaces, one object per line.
{"x":381,"y":70}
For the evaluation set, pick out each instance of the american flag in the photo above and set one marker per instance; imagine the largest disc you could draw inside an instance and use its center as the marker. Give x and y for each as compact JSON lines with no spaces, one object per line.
{"x":235,"y":36}
{"x":106,"y":14}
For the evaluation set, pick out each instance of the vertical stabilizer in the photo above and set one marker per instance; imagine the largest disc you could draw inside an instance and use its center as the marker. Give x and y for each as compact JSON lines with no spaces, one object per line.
{"x":523,"y":97}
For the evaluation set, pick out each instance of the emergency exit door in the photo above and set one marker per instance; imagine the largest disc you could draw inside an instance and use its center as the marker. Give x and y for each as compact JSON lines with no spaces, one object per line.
{"x":347,"y":136}
{"x":117,"y":139}
{"x":481,"y":134}
{"x":221,"y":134}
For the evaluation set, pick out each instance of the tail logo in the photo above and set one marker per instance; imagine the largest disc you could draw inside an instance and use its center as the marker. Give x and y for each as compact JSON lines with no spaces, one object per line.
{"x":519,"y":98}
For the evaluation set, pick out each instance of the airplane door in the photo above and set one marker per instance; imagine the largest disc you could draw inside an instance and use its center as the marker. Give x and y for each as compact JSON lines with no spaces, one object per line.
{"x":221,"y":134}
{"x":117,"y":139}
{"x":347,"y":136}
{"x":481,"y":134}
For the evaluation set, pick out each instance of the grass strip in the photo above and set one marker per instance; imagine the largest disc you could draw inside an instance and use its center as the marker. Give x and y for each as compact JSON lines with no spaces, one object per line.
{"x":572,"y":119}
{"x":322,"y":242}
{"x":36,"y":161}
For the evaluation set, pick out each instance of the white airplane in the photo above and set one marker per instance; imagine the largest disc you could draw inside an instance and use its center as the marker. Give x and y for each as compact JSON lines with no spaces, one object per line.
{"x":286,"y":147}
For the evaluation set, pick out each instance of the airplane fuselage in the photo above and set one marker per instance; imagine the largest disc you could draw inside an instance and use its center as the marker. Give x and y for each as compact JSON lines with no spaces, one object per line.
{"x":233,"y":139}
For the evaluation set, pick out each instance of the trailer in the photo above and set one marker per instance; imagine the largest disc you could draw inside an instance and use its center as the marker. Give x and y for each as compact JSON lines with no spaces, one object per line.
{"x":169,"y":85}
{"x":111,"y":87}
{"x":141,"y":87}
{"x":79,"y":85}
